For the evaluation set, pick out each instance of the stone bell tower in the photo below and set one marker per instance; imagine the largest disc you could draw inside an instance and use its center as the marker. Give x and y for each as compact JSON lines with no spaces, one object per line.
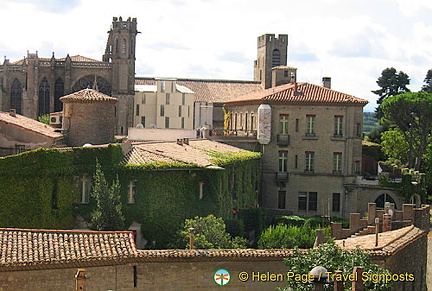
{"x":120,"y":51}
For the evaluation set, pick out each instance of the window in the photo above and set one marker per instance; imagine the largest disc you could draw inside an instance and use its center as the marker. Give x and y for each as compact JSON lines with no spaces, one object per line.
{"x":285,"y":74}
{"x":308,"y":201}
{"x":85,"y":190}
{"x":283,"y":123}
{"x":276,"y":58}
{"x":162,"y":86}
{"x":183,"y":98}
{"x":162,"y":110}
{"x":281,"y":199}
{"x":124,"y":46}
{"x":357,"y":168}
{"x":336,"y":202}
{"x":44,"y":97}
{"x":310,"y":125}
{"x":16,"y":96}
{"x":358,"y":130}
{"x":143,"y":120}
{"x":182,"y":123}
{"x":137,"y":111}
{"x":143,"y":99}
{"x":167,"y":122}
{"x":297,"y":125}
{"x":167,"y":98}
{"x":313,"y":201}
{"x":58,"y":92}
{"x":132,"y":191}
{"x":252,"y":121}
{"x":19,"y":148}
{"x":296,"y":161}
{"x":246,"y":121}
{"x":180,"y":111}
{"x":338,"y":121}
{"x":188,"y":111}
{"x":310,"y":156}
{"x":337,"y":163}
{"x":283,"y":161}
{"x":302,"y":201}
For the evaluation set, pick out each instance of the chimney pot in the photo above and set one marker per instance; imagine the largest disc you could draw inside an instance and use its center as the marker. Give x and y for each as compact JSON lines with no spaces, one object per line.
{"x":12,"y":112}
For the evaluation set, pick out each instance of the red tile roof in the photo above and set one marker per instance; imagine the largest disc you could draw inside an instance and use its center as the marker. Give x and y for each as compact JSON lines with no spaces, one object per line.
{"x":306,"y":93}
{"x":88,"y":96}
{"x":197,"y":153}
{"x":212,"y":91}
{"x":29,"y":124}
{"x":40,"y":249}
{"x":388,"y":242}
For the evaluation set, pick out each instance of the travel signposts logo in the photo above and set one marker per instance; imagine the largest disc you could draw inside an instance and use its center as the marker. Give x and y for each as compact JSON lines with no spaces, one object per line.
{"x":221,"y":277}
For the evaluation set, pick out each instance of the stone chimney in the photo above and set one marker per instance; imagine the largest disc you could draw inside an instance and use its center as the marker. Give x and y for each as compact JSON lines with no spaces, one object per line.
{"x":326,"y":82}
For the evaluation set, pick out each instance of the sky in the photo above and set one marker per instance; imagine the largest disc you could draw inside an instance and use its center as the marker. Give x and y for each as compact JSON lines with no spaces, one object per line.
{"x":351,"y":41}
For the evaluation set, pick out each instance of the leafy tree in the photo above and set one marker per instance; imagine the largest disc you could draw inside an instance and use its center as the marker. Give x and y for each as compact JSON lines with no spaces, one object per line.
{"x":44,"y":118}
{"x":391,"y":83}
{"x":108,"y":213}
{"x":210,"y":233}
{"x":428,"y":81}
{"x":287,"y":237}
{"x":411,"y":113}
{"x":395,"y":147}
{"x":331,"y":257}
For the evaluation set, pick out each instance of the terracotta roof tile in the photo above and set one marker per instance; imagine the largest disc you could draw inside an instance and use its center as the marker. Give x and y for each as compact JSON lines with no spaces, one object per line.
{"x":212,"y":91}
{"x":195,"y":153}
{"x":36,"y":248}
{"x":388,"y":242}
{"x":29,"y":124}
{"x":306,"y":93}
{"x":88,"y":96}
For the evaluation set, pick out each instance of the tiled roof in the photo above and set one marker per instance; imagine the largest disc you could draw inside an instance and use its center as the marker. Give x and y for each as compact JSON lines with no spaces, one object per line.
{"x":29,"y":124}
{"x":306,"y":93}
{"x":76,"y":58}
{"x":39,"y":249}
{"x":196,"y":153}
{"x":88,"y":96}
{"x":214,"y":91}
{"x":388,"y":242}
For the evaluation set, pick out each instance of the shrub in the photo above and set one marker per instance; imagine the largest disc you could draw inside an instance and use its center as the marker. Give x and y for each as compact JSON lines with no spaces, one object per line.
{"x":287,"y":237}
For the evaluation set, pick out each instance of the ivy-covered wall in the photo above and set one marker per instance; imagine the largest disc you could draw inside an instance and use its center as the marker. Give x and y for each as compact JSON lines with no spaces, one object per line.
{"x":41,"y":189}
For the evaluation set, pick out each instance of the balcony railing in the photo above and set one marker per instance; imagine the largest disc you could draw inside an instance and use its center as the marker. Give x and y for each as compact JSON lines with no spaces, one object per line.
{"x":281,"y":176}
{"x":283,"y":139}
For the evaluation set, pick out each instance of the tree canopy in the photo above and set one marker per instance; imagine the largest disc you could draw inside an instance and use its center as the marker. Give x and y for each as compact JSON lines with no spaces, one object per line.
{"x":108,"y":214}
{"x":391,"y":83}
{"x":411,"y":113}
{"x":428,"y":80}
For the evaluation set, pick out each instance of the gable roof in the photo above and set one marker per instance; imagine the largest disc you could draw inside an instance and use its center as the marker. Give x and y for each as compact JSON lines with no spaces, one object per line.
{"x":212,"y":91}
{"x":40,"y":249}
{"x":29,"y":124}
{"x":196,"y":153}
{"x":299,"y":93}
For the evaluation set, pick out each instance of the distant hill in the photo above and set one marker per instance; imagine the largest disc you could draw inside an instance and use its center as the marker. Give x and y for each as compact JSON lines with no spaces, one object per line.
{"x":369,"y":122}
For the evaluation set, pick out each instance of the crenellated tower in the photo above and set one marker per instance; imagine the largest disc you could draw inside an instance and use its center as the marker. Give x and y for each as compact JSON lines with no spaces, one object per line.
{"x":120,"y":52}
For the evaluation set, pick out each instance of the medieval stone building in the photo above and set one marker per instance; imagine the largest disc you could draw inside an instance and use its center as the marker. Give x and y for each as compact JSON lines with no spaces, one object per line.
{"x":33,"y":85}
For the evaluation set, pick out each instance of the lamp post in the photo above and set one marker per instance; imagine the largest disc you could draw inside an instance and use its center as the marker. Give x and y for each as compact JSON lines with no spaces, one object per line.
{"x":191,"y":238}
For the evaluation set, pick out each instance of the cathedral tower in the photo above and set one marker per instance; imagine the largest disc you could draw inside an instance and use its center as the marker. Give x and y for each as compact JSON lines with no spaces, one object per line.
{"x":272,"y":52}
{"x":120,"y":51}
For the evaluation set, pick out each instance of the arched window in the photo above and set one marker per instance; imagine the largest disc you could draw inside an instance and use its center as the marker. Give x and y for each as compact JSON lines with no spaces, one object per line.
{"x":16,"y":96}
{"x":382,"y":199}
{"x":58,"y":92}
{"x":88,"y":82}
{"x":276,"y":58}
{"x":44,"y":97}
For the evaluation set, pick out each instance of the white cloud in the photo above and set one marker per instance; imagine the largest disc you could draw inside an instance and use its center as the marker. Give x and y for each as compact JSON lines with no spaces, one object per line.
{"x":346,"y":40}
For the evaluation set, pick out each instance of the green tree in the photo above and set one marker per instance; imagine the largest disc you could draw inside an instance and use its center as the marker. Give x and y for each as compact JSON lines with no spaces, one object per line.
{"x":282,"y":236}
{"x":108,"y":213}
{"x":210,"y":233}
{"x":391,"y":83}
{"x":395,"y":147}
{"x":411,"y":113}
{"x":331,"y":257}
{"x":44,"y":118}
{"x":428,"y":80}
